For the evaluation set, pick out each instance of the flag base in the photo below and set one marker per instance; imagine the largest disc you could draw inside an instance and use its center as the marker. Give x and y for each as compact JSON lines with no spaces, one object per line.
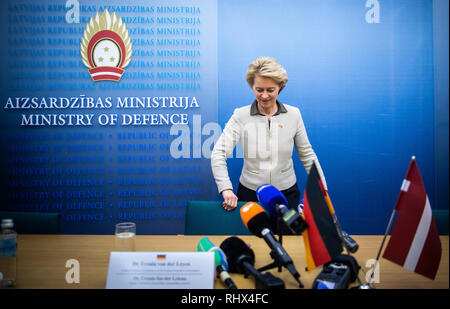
{"x":363,"y":287}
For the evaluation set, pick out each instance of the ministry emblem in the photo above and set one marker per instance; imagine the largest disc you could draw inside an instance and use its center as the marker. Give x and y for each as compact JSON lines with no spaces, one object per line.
{"x":105,"y":47}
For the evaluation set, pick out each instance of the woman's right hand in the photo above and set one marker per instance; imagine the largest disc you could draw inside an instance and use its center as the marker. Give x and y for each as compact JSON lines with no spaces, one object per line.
{"x":229,"y":200}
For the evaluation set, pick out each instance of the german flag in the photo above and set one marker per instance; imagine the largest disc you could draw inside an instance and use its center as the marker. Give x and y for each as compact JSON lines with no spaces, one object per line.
{"x":322,"y":241}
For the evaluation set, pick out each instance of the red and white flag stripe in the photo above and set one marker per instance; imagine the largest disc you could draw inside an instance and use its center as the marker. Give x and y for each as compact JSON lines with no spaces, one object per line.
{"x":414,"y":243}
{"x":419,"y":238}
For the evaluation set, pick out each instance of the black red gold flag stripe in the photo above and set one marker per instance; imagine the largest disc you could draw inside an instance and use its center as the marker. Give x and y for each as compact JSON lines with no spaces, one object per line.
{"x":322,"y":241}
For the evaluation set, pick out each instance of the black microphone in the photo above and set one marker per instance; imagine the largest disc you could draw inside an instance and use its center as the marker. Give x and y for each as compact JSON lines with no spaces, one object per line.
{"x":257,"y":222}
{"x":241,"y":259}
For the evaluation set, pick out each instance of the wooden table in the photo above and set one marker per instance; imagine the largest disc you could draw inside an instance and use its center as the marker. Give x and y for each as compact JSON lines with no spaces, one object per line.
{"x":42,"y":260}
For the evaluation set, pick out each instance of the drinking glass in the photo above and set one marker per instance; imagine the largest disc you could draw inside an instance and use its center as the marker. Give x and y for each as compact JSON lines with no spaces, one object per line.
{"x":125,"y":236}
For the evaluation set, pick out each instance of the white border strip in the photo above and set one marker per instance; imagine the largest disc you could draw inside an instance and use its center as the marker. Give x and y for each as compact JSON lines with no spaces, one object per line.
{"x":106,"y":73}
{"x":419,"y":239}
{"x":405,"y":185}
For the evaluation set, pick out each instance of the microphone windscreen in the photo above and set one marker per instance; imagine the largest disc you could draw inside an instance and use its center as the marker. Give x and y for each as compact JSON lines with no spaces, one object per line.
{"x":236,"y":251}
{"x":254,"y":218}
{"x":249,"y":210}
{"x":205,"y":245}
{"x":269,"y":196}
{"x":259,"y":223}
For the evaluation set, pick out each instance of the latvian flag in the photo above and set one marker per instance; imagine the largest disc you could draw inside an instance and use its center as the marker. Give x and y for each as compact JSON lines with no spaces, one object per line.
{"x":414,"y":243}
{"x":322,"y":241}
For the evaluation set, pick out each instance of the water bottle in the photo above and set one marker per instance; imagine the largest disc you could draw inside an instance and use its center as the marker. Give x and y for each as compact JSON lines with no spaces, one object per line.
{"x":8,"y":256}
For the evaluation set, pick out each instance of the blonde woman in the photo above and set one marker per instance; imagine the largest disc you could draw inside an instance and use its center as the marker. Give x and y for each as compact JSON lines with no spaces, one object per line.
{"x":268,"y":130}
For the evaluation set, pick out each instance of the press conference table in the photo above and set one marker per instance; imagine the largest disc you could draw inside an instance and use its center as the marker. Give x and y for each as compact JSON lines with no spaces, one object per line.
{"x":42,"y":260}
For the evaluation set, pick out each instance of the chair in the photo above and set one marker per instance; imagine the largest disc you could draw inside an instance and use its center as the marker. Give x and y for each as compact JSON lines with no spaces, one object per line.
{"x":33,"y":222}
{"x":441,"y":219}
{"x":209,"y":218}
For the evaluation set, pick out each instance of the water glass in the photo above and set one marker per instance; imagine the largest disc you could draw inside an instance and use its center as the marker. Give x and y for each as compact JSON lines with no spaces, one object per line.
{"x":125,"y":236}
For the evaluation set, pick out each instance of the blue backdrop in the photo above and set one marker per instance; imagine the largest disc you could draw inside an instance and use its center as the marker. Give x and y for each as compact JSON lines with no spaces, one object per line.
{"x":362,"y":73}
{"x":363,"y":83}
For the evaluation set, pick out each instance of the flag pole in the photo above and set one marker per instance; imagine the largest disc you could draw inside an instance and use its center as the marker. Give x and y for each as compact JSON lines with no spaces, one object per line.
{"x":341,"y":235}
{"x":336,"y":223}
{"x":391,"y":220}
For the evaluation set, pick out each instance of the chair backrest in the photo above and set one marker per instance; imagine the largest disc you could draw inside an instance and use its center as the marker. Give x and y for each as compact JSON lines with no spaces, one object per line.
{"x":441,"y":219}
{"x":209,"y":218}
{"x":33,"y":222}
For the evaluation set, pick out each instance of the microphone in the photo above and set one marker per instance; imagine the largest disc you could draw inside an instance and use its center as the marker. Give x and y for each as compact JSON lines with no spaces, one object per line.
{"x":257,"y":221}
{"x":220,"y":260}
{"x":274,"y":201}
{"x":242,"y":259}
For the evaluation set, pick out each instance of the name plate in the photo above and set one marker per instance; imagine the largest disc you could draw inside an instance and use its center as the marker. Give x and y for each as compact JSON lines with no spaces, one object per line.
{"x":161,"y":270}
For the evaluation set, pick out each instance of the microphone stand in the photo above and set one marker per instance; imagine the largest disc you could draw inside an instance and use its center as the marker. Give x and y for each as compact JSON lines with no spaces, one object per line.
{"x":275,"y":263}
{"x":266,"y":280}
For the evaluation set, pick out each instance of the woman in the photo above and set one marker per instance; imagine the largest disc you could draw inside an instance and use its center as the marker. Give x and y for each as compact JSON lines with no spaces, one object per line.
{"x":268,"y":131}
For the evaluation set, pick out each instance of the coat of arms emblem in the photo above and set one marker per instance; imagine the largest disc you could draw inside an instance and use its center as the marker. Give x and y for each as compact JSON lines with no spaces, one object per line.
{"x":105,"y":47}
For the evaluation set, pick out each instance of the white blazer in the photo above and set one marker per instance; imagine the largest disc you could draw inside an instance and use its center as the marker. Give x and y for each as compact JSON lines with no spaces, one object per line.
{"x":267,"y":147}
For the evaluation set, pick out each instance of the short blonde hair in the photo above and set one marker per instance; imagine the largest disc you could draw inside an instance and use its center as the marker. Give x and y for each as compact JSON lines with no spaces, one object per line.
{"x":267,"y":67}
